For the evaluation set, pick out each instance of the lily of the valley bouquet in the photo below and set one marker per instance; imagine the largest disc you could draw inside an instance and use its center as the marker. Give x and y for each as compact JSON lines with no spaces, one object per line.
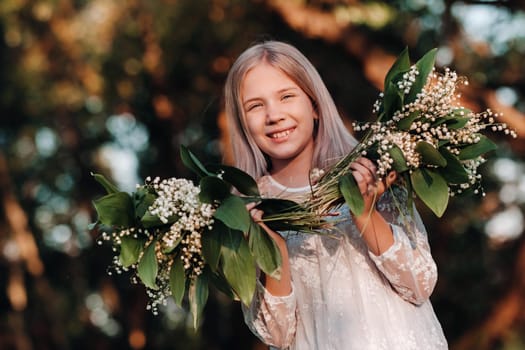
{"x":178,"y":238}
{"x":422,"y":132}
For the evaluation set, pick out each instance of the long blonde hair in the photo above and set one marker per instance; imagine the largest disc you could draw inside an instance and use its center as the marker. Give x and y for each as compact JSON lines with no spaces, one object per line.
{"x":332,"y":139}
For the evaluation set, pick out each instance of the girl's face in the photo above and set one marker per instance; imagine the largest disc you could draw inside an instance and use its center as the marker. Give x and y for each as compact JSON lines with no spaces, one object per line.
{"x":279,"y":115}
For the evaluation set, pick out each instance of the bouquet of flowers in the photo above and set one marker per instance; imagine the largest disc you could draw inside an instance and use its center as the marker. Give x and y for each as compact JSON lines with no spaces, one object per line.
{"x":423,"y":133}
{"x":179,"y":238}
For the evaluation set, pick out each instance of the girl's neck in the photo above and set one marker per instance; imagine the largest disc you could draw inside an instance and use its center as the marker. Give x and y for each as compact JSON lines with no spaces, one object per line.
{"x":291,"y":174}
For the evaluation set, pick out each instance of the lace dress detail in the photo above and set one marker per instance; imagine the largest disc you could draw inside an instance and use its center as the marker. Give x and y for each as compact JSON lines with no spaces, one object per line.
{"x":345,"y":297}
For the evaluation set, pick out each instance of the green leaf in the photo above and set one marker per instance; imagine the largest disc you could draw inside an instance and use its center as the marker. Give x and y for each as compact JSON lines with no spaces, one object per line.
{"x":400,"y":163}
{"x":424,"y":66}
{"x":198,"y":296}
{"x":168,"y":249}
{"x":351,"y":193}
{"x":454,"y":172}
{"x":430,"y":154}
{"x":273,"y":207}
{"x":401,"y":64}
{"x":192,"y":162}
{"x":238,"y":265}
{"x":457,"y":122}
{"x":148,"y":267}
{"x":130,"y":249}
{"x":115,"y":209}
{"x":211,"y":244}
{"x":431,"y":188}
{"x":265,"y":251}
{"x":243,"y":182}
{"x":213,"y":189}
{"x":149,"y":220}
{"x":475,"y":150}
{"x":392,"y":101}
{"x":142,"y":200}
{"x":233,"y":213}
{"x":108,"y":186}
{"x":220,"y":282}
{"x":405,"y":123}
{"x":177,"y":280}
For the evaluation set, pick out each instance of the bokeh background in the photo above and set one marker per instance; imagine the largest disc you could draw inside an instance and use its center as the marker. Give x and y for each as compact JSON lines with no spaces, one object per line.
{"x":116,"y":86}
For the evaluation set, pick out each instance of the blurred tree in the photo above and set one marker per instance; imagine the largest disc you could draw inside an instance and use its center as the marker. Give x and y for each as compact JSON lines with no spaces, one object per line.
{"x":116,"y":86}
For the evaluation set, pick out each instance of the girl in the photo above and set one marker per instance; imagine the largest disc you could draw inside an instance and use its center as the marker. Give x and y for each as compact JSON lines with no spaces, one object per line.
{"x":365,"y":286}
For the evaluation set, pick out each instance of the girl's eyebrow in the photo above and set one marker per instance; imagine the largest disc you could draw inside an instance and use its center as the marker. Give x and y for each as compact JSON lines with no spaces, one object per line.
{"x":280,"y":91}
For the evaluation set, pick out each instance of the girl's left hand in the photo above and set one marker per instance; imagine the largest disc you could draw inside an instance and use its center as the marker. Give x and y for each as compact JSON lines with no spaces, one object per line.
{"x":365,"y":173}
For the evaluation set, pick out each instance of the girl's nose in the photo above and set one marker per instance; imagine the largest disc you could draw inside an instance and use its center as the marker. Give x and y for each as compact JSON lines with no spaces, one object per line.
{"x":273,"y":114}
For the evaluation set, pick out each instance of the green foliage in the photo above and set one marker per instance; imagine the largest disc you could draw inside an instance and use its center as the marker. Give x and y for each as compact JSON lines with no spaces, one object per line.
{"x":198,"y":296}
{"x":243,"y":182}
{"x":265,"y":251}
{"x":477,"y":149}
{"x":431,"y":188}
{"x":115,"y":209}
{"x":130,"y":250}
{"x":352,"y":194}
{"x":213,"y":189}
{"x":238,"y":265}
{"x":430,"y":155}
{"x":177,"y":281}
{"x":424,"y":67}
{"x":148,"y":266}
{"x":453,"y":172}
{"x":192,"y":162}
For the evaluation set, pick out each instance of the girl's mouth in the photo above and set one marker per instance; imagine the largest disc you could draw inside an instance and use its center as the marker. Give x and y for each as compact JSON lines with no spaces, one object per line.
{"x":280,"y":134}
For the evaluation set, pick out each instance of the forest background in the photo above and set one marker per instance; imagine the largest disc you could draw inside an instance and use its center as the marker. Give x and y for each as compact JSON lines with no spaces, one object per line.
{"x":116,"y":86}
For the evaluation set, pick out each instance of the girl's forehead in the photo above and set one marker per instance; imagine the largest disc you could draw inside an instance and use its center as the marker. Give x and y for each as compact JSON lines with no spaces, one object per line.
{"x":264,"y":75}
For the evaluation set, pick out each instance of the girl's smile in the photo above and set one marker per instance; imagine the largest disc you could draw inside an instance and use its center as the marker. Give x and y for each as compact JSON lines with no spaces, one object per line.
{"x":280,"y":136}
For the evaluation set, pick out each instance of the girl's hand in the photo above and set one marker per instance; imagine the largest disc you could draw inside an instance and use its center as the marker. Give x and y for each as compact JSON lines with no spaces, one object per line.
{"x":257,"y":215}
{"x":375,"y":230}
{"x":365,"y":173}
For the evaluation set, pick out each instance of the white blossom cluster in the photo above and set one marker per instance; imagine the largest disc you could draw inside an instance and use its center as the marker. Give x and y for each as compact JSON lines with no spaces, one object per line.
{"x":156,"y":297}
{"x":179,"y":198}
{"x":431,"y":119}
{"x":177,"y":205}
{"x":408,"y":80}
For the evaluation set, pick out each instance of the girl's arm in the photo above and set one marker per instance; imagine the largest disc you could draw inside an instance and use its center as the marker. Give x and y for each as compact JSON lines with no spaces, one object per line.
{"x":376,"y":231}
{"x":395,"y":236}
{"x":407,"y":264}
{"x":272,"y":313}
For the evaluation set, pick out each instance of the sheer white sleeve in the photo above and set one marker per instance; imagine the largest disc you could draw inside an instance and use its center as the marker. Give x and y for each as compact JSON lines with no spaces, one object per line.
{"x":271,"y":318}
{"x":408,"y":264}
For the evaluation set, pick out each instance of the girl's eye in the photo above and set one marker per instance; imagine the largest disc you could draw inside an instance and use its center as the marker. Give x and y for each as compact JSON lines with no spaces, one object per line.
{"x":254,"y":106}
{"x":287,"y":96}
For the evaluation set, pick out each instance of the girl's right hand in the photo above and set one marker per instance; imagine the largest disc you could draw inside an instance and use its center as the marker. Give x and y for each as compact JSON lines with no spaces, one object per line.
{"x":257,"y":215}
{"x":282,"y":286}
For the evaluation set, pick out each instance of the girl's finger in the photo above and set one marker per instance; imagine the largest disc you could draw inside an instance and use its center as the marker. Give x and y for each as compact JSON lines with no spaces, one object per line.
{"x":391,"y":178}
{"x":250,"y":206}
{"x":365,"y":172}
{"x":367,"y":163}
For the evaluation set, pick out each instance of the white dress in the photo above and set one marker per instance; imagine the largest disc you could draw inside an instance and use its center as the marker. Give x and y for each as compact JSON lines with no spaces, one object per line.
{"x":345,"y":297}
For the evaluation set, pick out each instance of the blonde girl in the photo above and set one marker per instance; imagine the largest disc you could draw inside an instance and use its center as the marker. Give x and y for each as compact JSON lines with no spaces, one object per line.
{"x":365,"y":286}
